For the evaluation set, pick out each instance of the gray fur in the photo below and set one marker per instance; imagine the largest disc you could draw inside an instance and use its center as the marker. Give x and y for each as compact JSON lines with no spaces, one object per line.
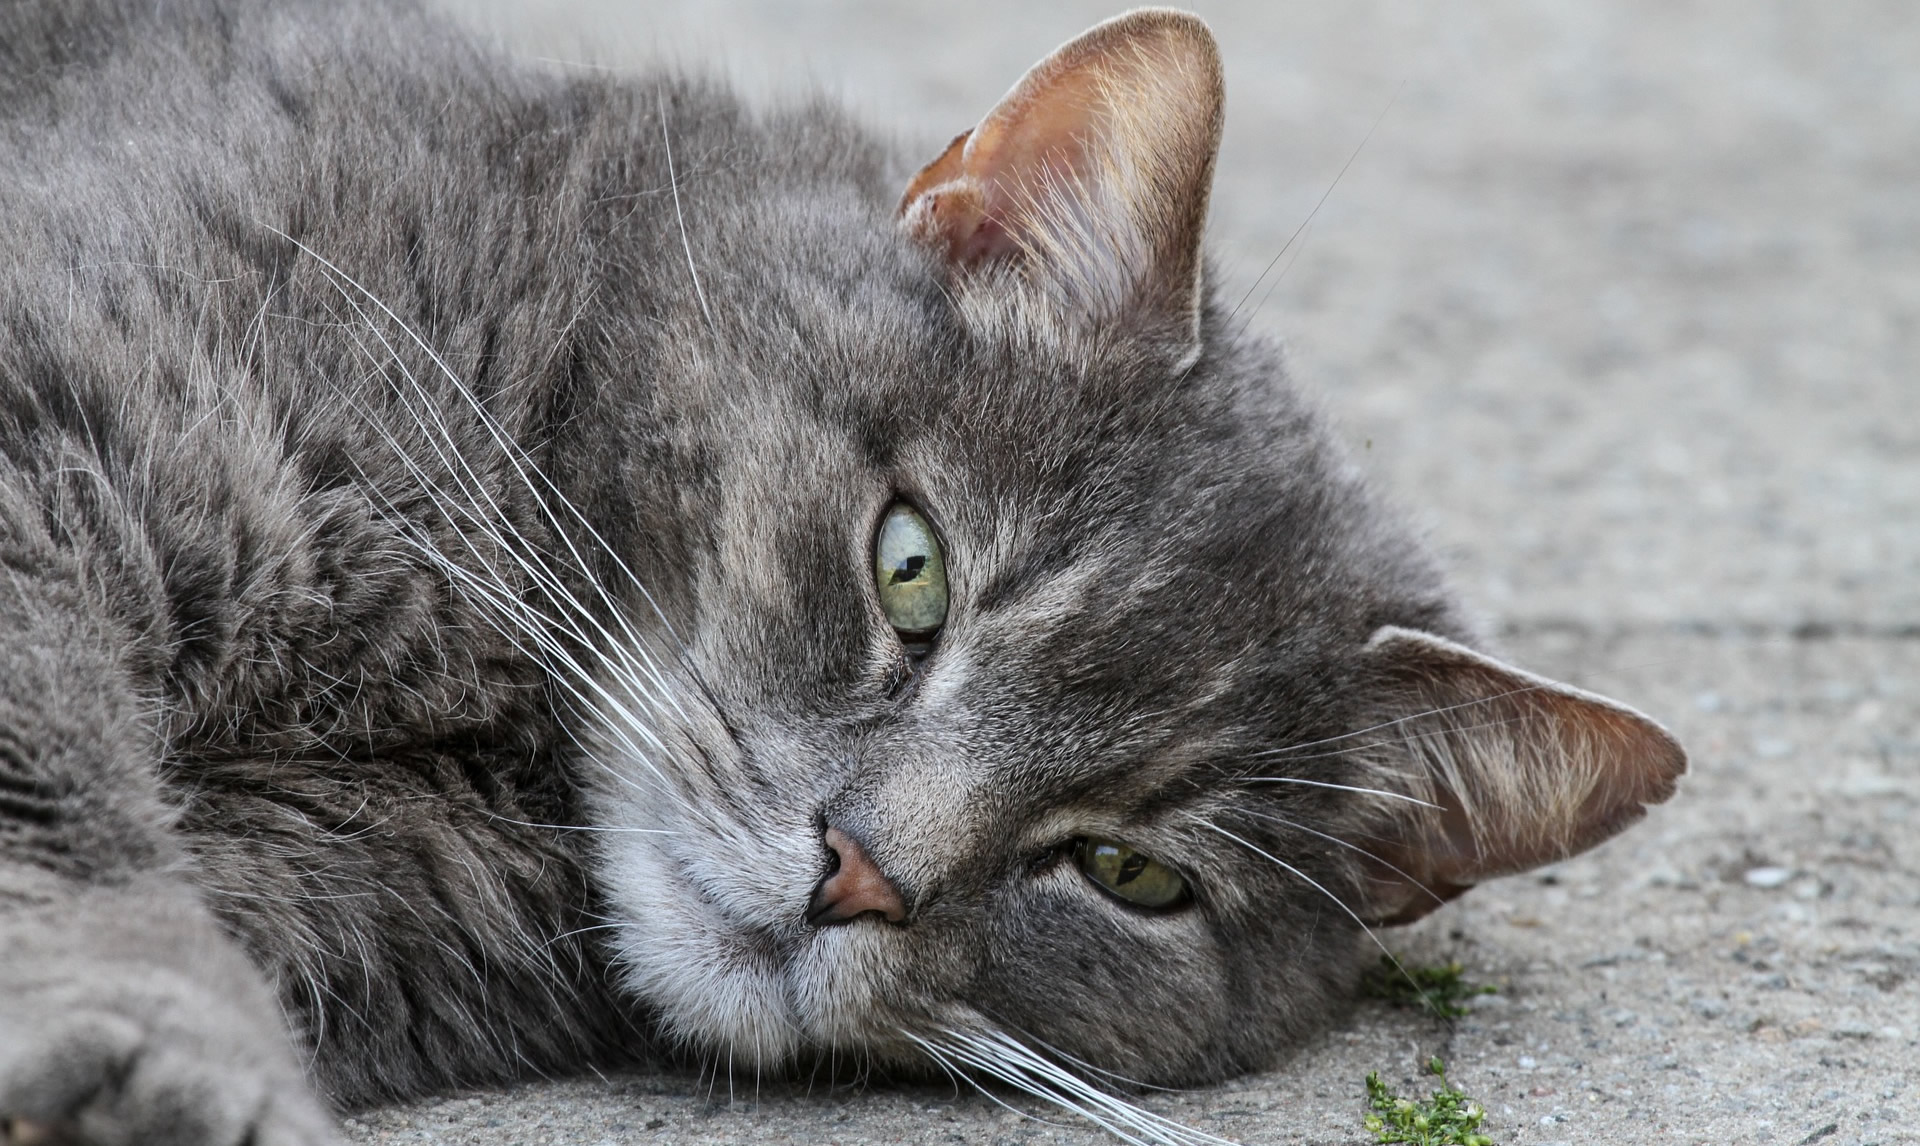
{"x":414,"y":496}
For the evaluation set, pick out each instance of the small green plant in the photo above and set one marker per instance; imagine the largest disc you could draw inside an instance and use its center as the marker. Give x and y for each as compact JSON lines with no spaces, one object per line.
{"x":1437,"y":990}
{"x":1449,"y":1118}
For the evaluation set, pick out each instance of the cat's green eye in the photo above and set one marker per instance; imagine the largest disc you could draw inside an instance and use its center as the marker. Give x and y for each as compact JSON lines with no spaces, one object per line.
{"x":1129,"y":874}
{"x":910,"y":573}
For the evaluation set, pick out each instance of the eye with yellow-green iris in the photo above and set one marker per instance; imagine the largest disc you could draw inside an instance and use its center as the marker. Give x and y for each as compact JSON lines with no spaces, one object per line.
{"x":1131,"y":875}
{"x":910,"y":573}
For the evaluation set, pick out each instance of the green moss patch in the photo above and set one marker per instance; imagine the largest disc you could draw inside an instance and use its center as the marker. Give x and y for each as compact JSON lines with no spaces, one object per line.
{"x":1439,"y":990}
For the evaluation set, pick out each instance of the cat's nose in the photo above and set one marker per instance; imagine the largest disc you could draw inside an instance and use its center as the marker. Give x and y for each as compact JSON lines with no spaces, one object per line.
{"x":853,"y":886}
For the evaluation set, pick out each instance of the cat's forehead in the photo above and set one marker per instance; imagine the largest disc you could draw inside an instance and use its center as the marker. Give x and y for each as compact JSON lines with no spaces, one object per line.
{"x":1062,"y":470}
{"x":1090,"y":487}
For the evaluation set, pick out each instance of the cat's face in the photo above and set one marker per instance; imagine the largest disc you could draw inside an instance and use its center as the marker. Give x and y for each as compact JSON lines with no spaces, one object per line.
{"x":1030,"y":663}
{"x":1144,"y":588}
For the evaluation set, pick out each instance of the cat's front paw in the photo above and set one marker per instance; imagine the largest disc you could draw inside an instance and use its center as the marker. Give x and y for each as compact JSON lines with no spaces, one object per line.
{"x":127,"y":1018}
{"x":88,"y":1077}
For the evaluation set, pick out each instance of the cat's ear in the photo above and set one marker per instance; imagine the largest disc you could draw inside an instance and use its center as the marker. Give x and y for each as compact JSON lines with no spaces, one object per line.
{"x":1520,"y":770}
{"x":1090,"y":178}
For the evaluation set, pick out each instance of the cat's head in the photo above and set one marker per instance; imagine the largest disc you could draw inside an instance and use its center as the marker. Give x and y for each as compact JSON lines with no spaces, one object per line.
{"x":1028,"y":662}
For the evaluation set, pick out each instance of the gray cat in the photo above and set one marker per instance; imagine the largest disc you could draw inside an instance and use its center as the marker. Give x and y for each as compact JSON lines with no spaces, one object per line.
{"x":508,"y":573}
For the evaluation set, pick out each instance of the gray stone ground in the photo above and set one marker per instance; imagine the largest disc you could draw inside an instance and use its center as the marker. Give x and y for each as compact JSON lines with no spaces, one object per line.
{"x":1624,"y":300}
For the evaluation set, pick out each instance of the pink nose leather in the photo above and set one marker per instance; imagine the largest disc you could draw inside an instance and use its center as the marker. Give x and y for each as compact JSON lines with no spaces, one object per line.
{"x":854,"y":887}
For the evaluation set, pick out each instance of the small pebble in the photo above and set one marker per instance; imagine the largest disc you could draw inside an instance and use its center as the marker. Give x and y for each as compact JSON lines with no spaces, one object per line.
{"x":1768,"y":876}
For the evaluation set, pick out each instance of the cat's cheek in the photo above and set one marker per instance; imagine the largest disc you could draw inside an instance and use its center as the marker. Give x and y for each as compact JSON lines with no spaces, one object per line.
{"x":1134,"y":991}
{"x":707,"y":984}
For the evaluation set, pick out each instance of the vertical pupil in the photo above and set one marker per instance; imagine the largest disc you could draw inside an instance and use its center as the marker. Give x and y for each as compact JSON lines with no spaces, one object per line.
{"x":909,"y":569}
{"x":1130,"y":868}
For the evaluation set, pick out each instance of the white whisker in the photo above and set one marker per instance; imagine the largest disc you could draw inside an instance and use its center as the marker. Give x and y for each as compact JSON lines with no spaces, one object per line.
{"x":1284,"y":822}
{"x":510,"y":450}
{"x":1001,"y":1056}
{"x":580,"y":827}
{"x":622,"y":655}
{"x":1317,"y":886}
{"x":673,"y":181}
{"x":1381,"y":792}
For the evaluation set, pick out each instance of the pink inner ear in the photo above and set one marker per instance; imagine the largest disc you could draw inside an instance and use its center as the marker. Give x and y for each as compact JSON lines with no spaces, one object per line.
{"x":1094,"y":171}
{"x":1033,"y":144}
{"x":945,"y":208}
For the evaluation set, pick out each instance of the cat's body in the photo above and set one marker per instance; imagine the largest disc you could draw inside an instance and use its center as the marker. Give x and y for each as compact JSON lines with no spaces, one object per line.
{"x":354,"y":383}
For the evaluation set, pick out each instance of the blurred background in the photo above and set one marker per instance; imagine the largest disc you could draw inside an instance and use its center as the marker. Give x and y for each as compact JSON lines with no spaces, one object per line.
{"x":1625,"y":296}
